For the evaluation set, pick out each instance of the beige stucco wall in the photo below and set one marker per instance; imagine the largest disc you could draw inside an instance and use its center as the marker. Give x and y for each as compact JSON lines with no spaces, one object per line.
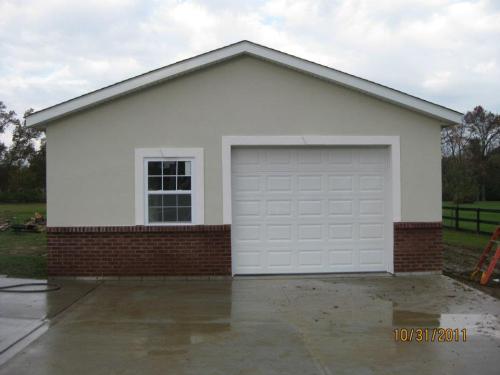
{"x":90,"y":155}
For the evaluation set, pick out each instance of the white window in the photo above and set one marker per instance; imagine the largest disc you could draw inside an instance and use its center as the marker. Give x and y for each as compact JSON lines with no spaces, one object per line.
{"x":168,"y":197}
{"x":169,"y":186}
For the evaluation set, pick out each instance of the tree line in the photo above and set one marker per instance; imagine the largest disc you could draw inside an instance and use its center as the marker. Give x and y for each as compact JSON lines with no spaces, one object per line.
{"x":22,"y":164}
{"x":470,"y":159}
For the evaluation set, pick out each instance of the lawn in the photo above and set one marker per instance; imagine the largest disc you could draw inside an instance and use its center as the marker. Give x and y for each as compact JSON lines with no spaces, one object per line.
{"x":465,"y":239}
{"x":468,"y":239}
{"x":487,"y":216}
{"x":22,"y":254}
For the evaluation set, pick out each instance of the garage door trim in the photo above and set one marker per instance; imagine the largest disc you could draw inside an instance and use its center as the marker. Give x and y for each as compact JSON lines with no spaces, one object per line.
{"x":393,"y":143}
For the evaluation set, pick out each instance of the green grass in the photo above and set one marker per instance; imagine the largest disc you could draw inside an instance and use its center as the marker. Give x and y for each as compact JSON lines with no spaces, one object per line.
{"x":465,"y":239}
{"x":22,"y":243}
{"x":490,"y":216}
{"x":26,"y":266}
{"x":22,"y":254}
{"x":20,"y":211}
{"x":488,"y":204}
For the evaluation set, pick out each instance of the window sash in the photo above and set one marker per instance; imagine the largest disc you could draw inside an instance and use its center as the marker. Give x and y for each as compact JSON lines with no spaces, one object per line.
{"x":168,"y":192}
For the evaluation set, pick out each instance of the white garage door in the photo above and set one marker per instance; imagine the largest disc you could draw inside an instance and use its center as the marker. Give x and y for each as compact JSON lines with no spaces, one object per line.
{"x":310,"y":210}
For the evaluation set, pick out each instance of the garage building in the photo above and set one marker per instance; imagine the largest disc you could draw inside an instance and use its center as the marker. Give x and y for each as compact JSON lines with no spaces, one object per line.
{"x":243,"y":160}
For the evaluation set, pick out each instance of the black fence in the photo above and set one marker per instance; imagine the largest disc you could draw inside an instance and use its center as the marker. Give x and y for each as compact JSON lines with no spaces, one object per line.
{"x":478,"y":220}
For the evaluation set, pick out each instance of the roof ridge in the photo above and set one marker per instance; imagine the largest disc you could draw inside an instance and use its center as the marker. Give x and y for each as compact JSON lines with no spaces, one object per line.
{"x":218,"y":55}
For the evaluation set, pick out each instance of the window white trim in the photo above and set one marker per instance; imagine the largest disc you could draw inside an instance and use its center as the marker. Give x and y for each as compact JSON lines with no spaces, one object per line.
{"x":148,"y":192}
{"x":197,"y":181}
{"x":319,"y":140}
{"x":312,"y":140}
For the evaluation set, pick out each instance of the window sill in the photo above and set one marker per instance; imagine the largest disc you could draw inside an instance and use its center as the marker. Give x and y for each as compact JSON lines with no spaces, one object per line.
{"x":169,"y":224}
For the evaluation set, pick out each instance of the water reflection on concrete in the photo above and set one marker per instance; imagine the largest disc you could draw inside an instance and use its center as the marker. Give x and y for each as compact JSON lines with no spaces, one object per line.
{"x":267,"y":326}
{"x":23,"y":313}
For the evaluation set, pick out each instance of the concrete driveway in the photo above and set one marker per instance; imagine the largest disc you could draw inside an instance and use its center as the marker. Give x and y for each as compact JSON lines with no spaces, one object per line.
{"x":268,"y":326}
{"x":24,"y":316}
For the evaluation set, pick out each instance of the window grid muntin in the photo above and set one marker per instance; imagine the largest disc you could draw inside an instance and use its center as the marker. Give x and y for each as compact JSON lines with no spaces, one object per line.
{"x":177,"y":192}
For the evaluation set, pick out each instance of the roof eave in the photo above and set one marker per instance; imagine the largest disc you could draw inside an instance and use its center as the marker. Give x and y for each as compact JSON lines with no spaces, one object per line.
{"x":41,"y":118}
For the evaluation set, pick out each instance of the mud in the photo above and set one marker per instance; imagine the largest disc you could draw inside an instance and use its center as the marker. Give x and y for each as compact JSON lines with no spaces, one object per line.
{"x":459,"y":262}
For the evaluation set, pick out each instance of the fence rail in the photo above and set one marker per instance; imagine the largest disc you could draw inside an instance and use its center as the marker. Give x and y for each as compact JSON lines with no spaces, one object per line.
{"x":478,"y":220}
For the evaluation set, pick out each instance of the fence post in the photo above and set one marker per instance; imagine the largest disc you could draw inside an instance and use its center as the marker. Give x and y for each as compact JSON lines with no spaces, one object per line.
{"x":478,"y":220}
{"x":457,"y":227}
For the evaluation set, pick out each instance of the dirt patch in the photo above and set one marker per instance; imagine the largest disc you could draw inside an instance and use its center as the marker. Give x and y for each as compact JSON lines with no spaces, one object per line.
{"x":459,"y":263}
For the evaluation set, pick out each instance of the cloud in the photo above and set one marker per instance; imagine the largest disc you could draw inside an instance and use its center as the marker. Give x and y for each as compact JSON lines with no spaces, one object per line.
{"x":438,"y":81}
{"x":445,"y":51}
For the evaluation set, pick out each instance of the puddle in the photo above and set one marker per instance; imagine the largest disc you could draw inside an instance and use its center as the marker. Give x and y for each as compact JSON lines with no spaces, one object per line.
{"x":415,"y":319}
{"x":192,"y":334}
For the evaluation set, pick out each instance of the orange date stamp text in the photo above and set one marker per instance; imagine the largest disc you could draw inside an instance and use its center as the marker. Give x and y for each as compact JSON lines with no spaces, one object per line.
{"x":439,"y":335}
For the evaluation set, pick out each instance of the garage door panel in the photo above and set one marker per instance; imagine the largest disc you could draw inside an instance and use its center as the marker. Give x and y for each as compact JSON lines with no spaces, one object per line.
{"x":371,"y":257}
{"x":309,"y":156}
{"x":309,"y":183}
{"x":371,"y":206}
{"x":279,"y":157}
{"x":340,"y":157}
{"x":282,"y":184}
{"x":282,"y":259}
{"x":310,"y":207}
{"x":248,"y":259}
{"x":299,"y":210}
{"x":364,"y":200}
{"x":247,"y":183}
{"x":278,"y":207}
{"x":370,"y":183}
{"x":341,"y":257}
{"x":340,"y":183}
{"x":311,"y":258}
{"x":371,"y":231}
{"x":248,"y":208}
{"x":340,"y":207}
{"x":341,"y":231}
{"x":247,"y":232}
{"x":279,"y":232}
{"x":310,"y":232}
{"x":246,"y":157}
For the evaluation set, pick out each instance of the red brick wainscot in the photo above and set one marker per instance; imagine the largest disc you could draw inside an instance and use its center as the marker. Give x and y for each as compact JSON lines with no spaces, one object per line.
{"x":195,"y":250}
{"x":418,"y":247}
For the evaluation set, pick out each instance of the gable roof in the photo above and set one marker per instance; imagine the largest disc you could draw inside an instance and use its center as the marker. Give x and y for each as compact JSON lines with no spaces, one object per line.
{"x":43,"y":117}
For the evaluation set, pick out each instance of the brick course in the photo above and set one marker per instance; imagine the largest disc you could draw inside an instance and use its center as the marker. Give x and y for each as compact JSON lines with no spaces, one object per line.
{"x":199,"y":250}
{"x":418,"y":247}
{"x":202,"y":250}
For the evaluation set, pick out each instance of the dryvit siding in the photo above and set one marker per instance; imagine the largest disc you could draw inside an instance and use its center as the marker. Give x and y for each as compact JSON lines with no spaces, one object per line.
{"x":91,"y":154}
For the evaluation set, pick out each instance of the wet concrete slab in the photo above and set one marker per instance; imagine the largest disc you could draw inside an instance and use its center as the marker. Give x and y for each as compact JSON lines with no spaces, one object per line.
{"x":268,"y":326}
{"x":23,"y":313}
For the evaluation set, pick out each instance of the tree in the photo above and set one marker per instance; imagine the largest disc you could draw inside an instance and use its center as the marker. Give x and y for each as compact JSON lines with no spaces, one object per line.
{"x":468,"y":151}
{"x":23,"y":143}
{"x":22,"y":165}
{"x":7,"y":118}
{"x":483,"y":128}
{"x":454,"y":140}
{"x":493,"y":177}
{"x":38,"y":164}
{"x":459,"y":183}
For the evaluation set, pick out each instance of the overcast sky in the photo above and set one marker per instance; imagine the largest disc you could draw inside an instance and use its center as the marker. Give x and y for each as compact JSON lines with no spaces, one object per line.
{"x":445,"y":51}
